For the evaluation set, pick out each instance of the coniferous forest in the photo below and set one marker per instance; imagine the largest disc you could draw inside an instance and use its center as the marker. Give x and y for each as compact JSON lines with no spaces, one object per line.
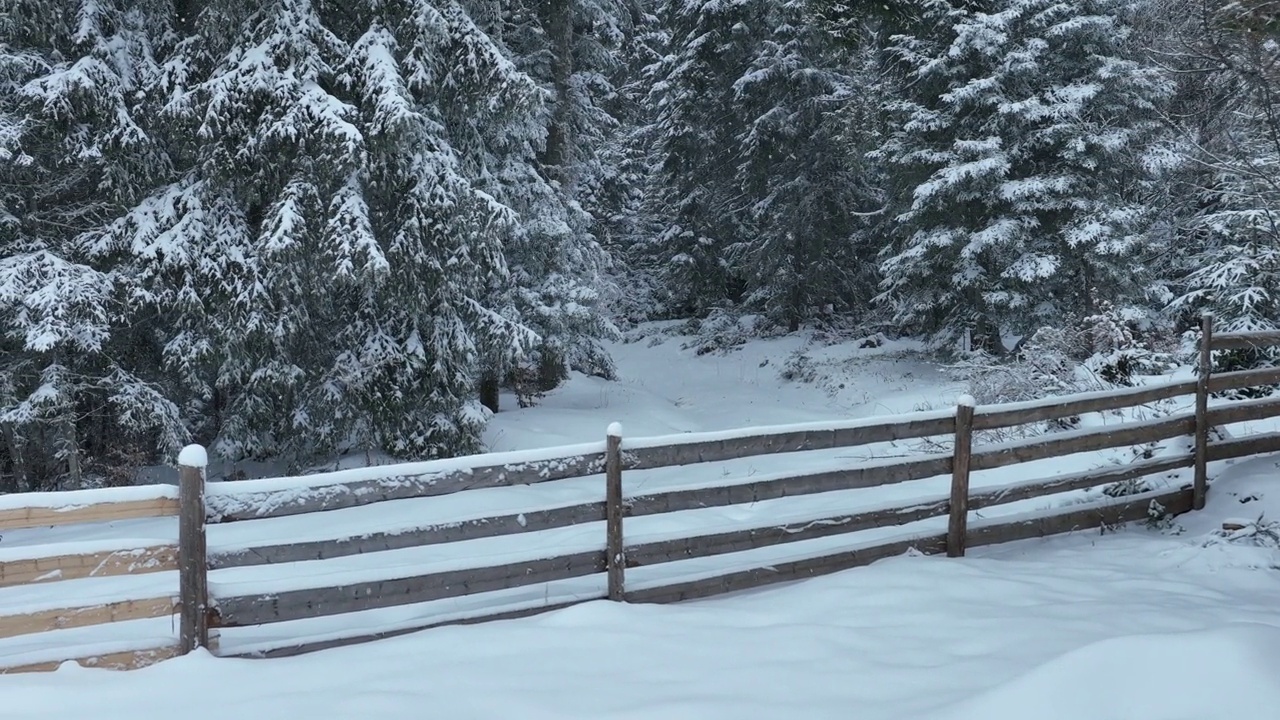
{"x":300,"y":228}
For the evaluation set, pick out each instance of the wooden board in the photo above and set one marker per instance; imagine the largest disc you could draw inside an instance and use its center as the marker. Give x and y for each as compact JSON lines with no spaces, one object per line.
{"x":1245,"y":340}
{"x":738,"y":540}
{"x":1068,"y":443}
{"x":1053,"y":408}
{"x":29,"y":517}
{"x":990,"y":497}
{"x":1244,"y":447}
{"x":250,"y":505}
{"x":304,"y":648}
{"x":783,"y":442}
{"x":1245,"y":411}
{"x":128,"y":660}
{"x":318,"y":602}
{"x":1244,"y":379}
{"x":783,"y":572}
{"x":71,"y":567}
{"x":1176,"y":502}
{"x":46,"y":620}
{"x":532,"y":521}
{"x":751,"y":492}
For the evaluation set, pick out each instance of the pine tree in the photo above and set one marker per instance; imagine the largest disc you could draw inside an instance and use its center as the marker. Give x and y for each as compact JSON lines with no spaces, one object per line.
{"x":1020,"y":167}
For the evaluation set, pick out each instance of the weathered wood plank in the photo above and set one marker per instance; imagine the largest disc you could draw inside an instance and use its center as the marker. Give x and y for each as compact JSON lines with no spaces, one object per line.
{"x":783,"y":572}
{"x":992,"y":417}
{"x":229,"y":507}
{"x":1201,"y":474}
{"x":654,"y":553}
{"x":1219,"y":382}
{"x":1017,"y":492}
{"x":1244,"y":447}
{"x":1068,"y":443}
{"x":514,"y":524}
{"x":1176,"y":502}
{"x":1246,"y":340}
{"x":771,"y":489}
{"x":1245,"y":411}
{"x":959,"y":501}
{"x":128,"y":660}
{"x":614,"y":551}
{"x":61,"y":618}
{"x":193,"y":563}
{"x":318,"y":602}
{"x":101,"y":564}
{"x":304,"y":648}
{"x":785,"y":442}
{"x":29,"y":517}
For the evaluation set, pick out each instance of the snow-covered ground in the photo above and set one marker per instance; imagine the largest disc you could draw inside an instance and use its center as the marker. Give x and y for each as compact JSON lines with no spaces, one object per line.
{"x":1131,"y":625}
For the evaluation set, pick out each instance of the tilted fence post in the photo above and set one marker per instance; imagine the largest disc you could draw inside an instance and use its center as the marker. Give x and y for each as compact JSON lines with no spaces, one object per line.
{"x":958,"y":526}
{"x":616,"y":557}
{"x":1201,"y":486}
{"x":193,"y":569}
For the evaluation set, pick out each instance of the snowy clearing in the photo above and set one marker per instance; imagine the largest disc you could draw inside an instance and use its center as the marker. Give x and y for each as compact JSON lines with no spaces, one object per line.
{"x":1079,"y":627}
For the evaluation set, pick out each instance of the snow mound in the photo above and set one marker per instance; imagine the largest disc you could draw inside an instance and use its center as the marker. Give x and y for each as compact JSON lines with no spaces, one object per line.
{"x":193,"y":456}
{"x":1226,"y":673}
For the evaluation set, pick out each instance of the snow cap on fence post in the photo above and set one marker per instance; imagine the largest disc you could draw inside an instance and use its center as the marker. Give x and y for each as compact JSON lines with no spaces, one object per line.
{"x":966,"y":400}
{"x":615,"y":429}
{"x":193,"y":456}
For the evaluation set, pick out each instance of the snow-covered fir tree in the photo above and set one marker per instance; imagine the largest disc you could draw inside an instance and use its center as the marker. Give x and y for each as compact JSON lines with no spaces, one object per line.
{"x":1019,"y":165}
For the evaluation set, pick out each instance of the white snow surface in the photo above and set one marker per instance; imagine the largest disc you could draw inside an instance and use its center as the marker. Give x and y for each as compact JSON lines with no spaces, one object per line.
{"x":193,"y":456}
{"x":1131,"y":625}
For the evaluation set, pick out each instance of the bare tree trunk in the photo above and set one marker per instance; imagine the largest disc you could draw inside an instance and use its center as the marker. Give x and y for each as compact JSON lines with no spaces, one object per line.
{"x":20,"y":475}
{"x":557,"y":21}
{"x":490,"y":391}
{"x":72,"y":450}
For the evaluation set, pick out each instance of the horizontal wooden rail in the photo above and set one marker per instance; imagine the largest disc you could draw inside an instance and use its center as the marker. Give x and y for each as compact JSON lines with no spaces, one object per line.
{"x":1244,"y":411}
{"x":689,"y":453}
{"x":318,"y":602}
{"x":1243,"y":379}
{"x":866,"y":476}
{"x":126,"y":660}
{"x":998,"y":416}
{"x":784,"y":571}
{"x":1244,"y":447}
{"x":29,"y":517}
{"x":751,"y":538}
{"x":100,"y":564}
{"x":225,"y":504}
{"x":61,"y":618}
{"x":1244,"y":340}
{"x":1175,"y":502}
{"x":1068,"y":443}
{"x":474,"y":529}
{"x":1028,"y":490}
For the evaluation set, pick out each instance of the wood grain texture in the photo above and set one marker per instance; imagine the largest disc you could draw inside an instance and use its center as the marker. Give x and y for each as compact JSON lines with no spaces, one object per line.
{"x":1245,"y":340}
{"x":501,"y":525}
{"x":958,"y":510}
{"x":318,"y":602}
{"x":654,"y":553}
{"x":304,"y":648}
{"x":1246,"y":411}
{"x":158,"y":558}
{"x":783,"y":572}
{"x":1068,"y":443}
{"x":990,"y":497}
{"x":193,"y":564}
{"x":1204,"y":370}
{"x":1218,"y":382}
{"x":18,"y":518}
{"x":751,"y":492}
{"x":61,"y":618}
{"x":230,"y":507}
{"x":784,"y":442}
{"x":1175,"y":502}
{"x":1243,"y":447}
{"x":615,"y":553}
{"x":989,"y":418}
{"x":128,"y":660}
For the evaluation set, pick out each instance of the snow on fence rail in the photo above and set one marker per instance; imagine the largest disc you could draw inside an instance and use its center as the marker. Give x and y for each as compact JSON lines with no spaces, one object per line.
{"x":318,"y":552}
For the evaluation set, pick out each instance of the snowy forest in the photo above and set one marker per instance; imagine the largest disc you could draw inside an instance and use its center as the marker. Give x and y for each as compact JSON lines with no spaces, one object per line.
{"x":298,"y":228}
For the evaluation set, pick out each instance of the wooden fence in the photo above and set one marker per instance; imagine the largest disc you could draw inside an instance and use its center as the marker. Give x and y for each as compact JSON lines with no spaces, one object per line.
{"x":655,"y":570}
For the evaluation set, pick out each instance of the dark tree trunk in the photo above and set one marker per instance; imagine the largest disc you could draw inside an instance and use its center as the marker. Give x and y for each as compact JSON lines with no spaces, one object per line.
{"x":490,"y":390}
{"x":557,"y":21}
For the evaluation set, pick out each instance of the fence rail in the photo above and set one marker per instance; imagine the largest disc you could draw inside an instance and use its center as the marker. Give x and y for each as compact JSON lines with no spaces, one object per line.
{"x":693,"y":561}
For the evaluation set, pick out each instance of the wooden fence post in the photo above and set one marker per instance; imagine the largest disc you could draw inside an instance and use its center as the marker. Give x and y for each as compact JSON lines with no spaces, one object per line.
{"x":958,"y":526}
{"x":193,"y":568}
{"x":616,"y":556}
{"x":1202,"y":412}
